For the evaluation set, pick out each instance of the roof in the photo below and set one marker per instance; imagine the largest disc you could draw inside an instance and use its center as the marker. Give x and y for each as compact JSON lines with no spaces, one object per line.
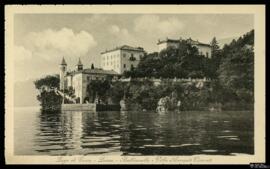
{"x":168,"y":40}
{"x":189,"y":40}
{"x":125,"y":47}
{"x":93,"y":71}
{"x":79,"y":62}
{"x":63,"y":62}
{"x":193,"y":42}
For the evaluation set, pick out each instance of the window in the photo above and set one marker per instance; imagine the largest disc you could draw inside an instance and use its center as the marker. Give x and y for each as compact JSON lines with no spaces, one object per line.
{"x":124,"y":65}
{"x":131,"y":54}
{"x":206,"y":54}
{"x":132,"y":58}
{"x":124,"y":55}
{"x":131,"y":67}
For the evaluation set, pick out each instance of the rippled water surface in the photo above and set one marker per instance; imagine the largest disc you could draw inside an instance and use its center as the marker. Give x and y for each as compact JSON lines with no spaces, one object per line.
{"x":132,"y":133}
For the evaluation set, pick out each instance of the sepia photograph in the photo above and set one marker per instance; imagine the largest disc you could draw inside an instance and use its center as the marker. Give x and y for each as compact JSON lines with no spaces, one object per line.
{"x":134,"y":84}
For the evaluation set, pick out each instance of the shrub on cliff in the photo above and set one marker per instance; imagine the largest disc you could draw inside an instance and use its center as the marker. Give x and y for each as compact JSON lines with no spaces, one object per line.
{"x":48,"y":99}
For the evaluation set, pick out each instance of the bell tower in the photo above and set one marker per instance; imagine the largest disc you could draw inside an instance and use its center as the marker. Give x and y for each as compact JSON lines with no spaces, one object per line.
{"x":79,"y":65}
{"x":63,"y":69}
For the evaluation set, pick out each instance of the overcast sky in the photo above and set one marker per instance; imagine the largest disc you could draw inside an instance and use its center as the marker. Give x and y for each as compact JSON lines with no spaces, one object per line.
{"x":41,"y":40}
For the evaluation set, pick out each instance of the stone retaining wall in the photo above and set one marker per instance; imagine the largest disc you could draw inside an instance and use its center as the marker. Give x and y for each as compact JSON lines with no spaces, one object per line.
{"x":79,"y":107}
{"x":89,"y":107}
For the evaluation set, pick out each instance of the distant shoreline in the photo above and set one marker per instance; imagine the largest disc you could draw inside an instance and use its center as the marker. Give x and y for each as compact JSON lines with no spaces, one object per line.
{"x":18,"y":107}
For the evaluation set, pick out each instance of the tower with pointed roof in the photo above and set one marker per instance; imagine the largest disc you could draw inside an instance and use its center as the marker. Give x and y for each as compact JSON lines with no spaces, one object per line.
{"x":63,"y":69}
{"x":79,"y":65}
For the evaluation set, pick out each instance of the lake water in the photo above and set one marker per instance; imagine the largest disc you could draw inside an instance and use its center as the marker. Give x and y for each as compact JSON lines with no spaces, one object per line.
{"x":133,"y":133}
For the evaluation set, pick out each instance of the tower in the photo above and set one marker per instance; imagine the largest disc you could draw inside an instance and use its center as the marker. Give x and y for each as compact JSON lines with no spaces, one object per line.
{"x":63,"y":68}
{"x":79,"y":65}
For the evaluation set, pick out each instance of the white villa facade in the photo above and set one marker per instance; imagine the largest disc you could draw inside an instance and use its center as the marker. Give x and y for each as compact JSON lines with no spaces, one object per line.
{"x":204,"y":49}
{"x":113,"y":64}
{"x":122,"y":58}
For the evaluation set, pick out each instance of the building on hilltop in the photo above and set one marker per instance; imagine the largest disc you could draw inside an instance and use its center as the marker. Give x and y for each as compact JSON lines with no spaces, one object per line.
{"x":80,"y":78}
{"x":204,"y":49}
{"x":122,"y":58}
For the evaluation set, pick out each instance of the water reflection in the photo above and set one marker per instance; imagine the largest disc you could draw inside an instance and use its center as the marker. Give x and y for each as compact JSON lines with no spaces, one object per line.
{"x":140,"y":133}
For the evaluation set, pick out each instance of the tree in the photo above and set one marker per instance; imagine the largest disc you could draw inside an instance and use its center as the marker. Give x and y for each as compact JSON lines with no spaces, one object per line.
{"x":214,"y":62}
{"x":48,"y":99}
{"x":236,"y":72}
{"x":91,"y":89}
{"x":173,"y":62}
{"x":116,"y":93}
{"x":98,"y":88}
{"x":92,"y":66}
{"x":214,"y":45}
{"x":48,"y":81}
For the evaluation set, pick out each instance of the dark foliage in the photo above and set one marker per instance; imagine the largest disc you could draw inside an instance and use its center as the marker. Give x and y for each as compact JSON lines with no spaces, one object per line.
{"x":48,"y":99}
{"x":49,"y":81}
{"x":236,"y":71}
{"x":182,"y":62}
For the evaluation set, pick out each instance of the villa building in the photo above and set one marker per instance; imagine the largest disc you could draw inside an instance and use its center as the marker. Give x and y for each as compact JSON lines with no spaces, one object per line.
{"x":122,"y":58}
{"x":114,"y":63}
{"x":80,"y":78}
{"x":204,"y":49}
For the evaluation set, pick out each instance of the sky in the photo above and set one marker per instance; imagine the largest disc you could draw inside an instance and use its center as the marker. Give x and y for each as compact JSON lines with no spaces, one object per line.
{"x":42,"y":40}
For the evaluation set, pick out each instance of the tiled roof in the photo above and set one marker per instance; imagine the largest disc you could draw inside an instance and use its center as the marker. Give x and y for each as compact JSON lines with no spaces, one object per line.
{"x":168,"y":40}
{"x":189,"y":40}
{"x":100,"y":71}
{"x":63,"y":62}
{"x":125,"y":47}
{"x":79,"y":62}
{"x":94,"y":71}
{"x":193,"y":42}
